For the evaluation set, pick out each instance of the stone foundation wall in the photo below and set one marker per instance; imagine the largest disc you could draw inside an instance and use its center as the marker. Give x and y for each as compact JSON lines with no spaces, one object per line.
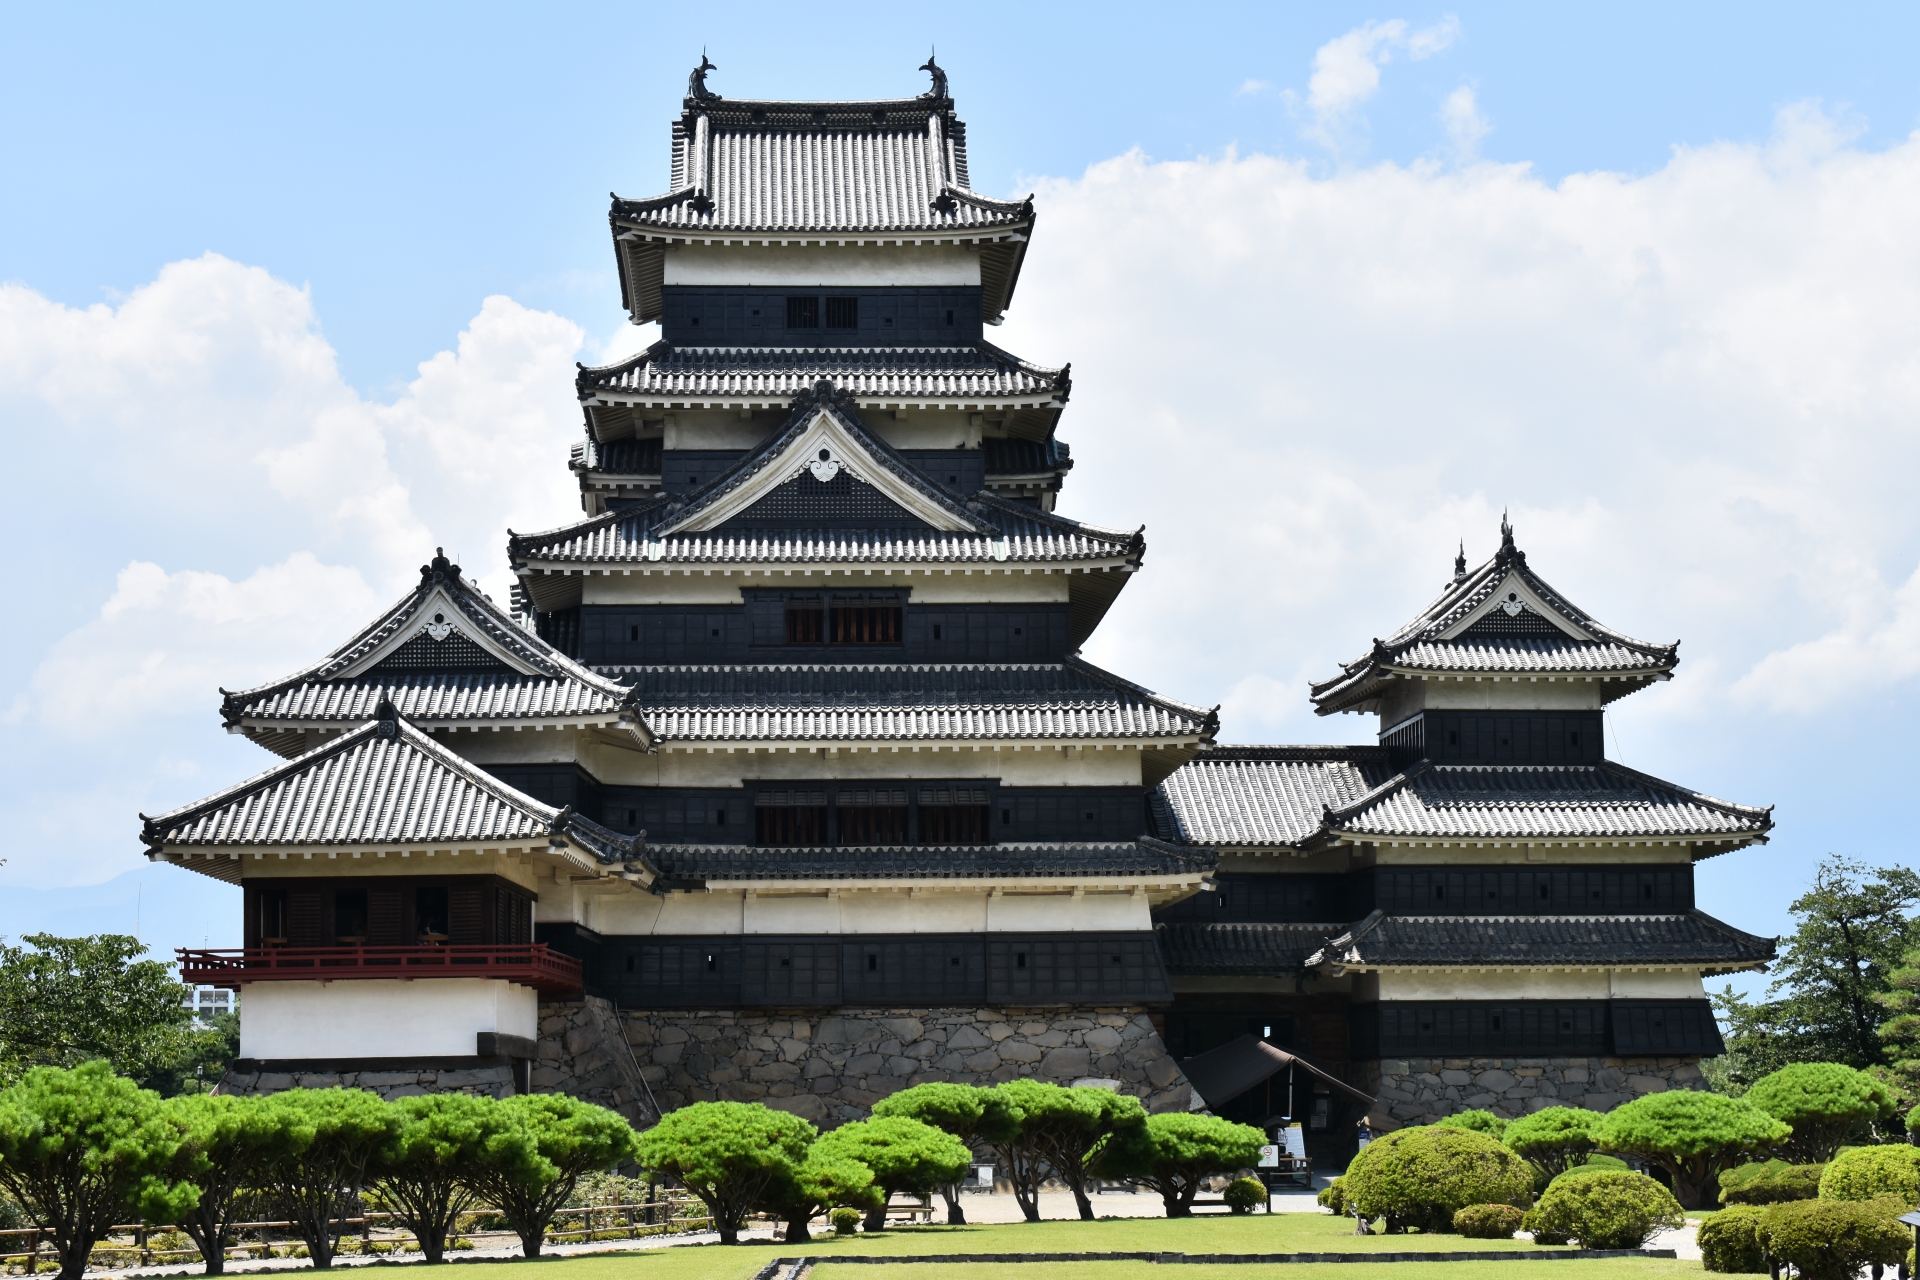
{"x":581,"y":1054}
{"x":492,"y":1081}
{"x":832,"y":1067}
{"x":1421,"y":1090}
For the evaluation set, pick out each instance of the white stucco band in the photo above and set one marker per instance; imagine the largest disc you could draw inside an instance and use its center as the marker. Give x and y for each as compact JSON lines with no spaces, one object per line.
{"x":1540,"y":984}
{"x":382,"y":1017}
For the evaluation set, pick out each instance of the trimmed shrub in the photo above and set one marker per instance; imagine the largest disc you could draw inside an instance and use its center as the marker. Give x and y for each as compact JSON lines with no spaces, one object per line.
{"x":1730,"y":1240}
{"x":1861,"y":1173}
{"x":1475,"y":1122}
{"x":1832,"y":1239}
{"x":1913,"y":1122}
{"x":1333,"y":1197}
{"x":1693,"y":1136}
{"x":1553,"y":1140}
{"x":1774,"y":1182}
{"x":1597,"y":1163}
{"x":1488,"y":1221}
{"x":1824,"y":1102}
{"x":1173,"y":1153}
{"x":1244,"y":1195}
{"x":845,"y":1221}
{"x":1422,"y":1176}
{"x":1607,"y":1210}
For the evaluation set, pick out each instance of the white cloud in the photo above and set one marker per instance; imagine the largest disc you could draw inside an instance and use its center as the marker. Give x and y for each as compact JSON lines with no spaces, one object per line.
{"x":1465,"y":126}
{"x":1249,"y":88}
{"x":1346,"y":69}
{"x":1694,"y":388}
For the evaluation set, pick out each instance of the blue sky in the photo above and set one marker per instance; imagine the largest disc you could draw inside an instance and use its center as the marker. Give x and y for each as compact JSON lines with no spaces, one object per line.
{"x":1339,"y":284}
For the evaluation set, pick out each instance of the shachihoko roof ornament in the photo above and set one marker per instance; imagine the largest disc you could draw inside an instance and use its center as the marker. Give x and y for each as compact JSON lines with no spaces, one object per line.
{"x":1499,"y":621}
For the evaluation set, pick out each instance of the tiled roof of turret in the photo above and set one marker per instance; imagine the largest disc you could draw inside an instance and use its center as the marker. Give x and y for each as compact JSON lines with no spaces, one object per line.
{"x":1538,"y":802}
{"x":1073,"y":700}
{"x":1692,"y":938}
{"x":520,"y":676}
{"x":1531,"y":630}
{"x":1240,"y":950}
{"x":1234,"y":796}
{"x":383,"y":783}
{"x":982,"y":372}
{"x":1145,"y":857}
{"x":992,"y":529}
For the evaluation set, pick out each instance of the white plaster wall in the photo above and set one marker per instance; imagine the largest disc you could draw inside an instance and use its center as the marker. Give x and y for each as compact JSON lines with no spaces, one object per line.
{"x":725,"y":912}
{"x":1590,"y":984}
{"x":924,"y":587}
{"x":1541,"y":856}
{"x":381,"y":1018}
{"x":514,"y":746}
{"x":811,"y":265}
{"x":1404,"y":697}
{"x":419,"y":862}
{"x":716,"y":428}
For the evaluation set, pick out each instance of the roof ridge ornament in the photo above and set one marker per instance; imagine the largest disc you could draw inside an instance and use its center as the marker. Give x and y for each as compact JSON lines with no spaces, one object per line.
{"x":1509,"y":554}
{"x":1460,"y":563}
{"x":938,"y":91}
{"x":386,"y":718}
{"x":440,"y":569}
{"x":697,"y":90}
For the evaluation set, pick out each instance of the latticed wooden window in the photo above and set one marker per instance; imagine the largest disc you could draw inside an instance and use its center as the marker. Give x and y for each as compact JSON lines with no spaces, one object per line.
{"x":872,"y":815}
{"x":953,"y":815}
{"x":790,"y":819}
{"x":865,"y":620}
{"x":843,"y":313}
{"x":806,"y":620}
{"x":803,"y":313}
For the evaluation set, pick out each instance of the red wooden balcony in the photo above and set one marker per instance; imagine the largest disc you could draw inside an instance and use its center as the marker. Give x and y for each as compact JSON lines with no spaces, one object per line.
{"x":529,"y":964}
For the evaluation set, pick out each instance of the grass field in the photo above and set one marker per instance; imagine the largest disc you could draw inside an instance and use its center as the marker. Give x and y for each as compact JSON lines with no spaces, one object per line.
{"x":1259,"y":1233}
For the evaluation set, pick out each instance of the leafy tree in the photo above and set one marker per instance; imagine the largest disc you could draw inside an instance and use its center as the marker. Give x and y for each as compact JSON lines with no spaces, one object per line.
{"x":423,"y":1169}
{"x":327,"y":1138}
{"x":208,"y":1049}
{"x":1068,"y":1127}
{"x":82,"y":1150}
{"x":1003,"y":1129}
{"x":904,"y":1155}
{"x":64,"y":1001}
{"x":1422,"y":1176}
{"x":1832,"y":1240}
{"x":1174,"y":1153}
{"x":727,"y":1153}
{"x":1823,"y":1102}
{"x":528,"y":1166}
{"x":957,"y":1109}
{"x":1553,"y":1140}
{"x":228,"y":1142}
{"x":1854,"y":926}
{"x":1866,"y":1173}
{"x":1693,"y":1136}
{"x":824,"y":1180}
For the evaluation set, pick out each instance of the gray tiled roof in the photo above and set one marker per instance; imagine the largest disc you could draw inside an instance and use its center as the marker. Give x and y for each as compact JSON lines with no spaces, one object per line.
{"x":1072,"y":700}
{"x":553,"y":686}
{"x":993,"y":529}
{"x":384,"y":783}
{"x":1693,"y":938}
{"x":1231,"y":796}
{"x":982,"y":372}
{"x":821,"y":166}
{"x":1145,"y":857}
{"x":1589,"y":650}
{"x":1240,"y":950}
{"x":1539,"y":801}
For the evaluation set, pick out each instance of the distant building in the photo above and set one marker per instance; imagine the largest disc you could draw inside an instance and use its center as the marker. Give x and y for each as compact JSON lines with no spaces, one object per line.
{"x":207,"y":1003}
{"x":782,"y":777}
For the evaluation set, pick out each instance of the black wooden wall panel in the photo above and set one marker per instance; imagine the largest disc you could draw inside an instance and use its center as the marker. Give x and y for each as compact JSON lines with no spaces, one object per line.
{"x":684,"y":470}
{"x":752,"y":316}
{"x":1533,"y":1028}
{"x":1017,"y":815}
{"x":1451,"y":891}
{"x":1499,"y":737}
{"x":309,"y":917}
{"x":387,"y":916}
{"x":467,"y":914}
{"x":913,"y":970}
{"x":559,"y":785}
{"x":652,"y":635}
{"x":1243,"y":898}
{"x":964,"y":471}
{"x":1665,"y":1028}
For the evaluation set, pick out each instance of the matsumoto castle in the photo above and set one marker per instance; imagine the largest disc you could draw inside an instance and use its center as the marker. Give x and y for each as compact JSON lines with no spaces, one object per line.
{"x":781,"y":777}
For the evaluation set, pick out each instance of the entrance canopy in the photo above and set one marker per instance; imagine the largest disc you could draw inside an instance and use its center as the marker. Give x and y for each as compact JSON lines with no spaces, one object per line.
{"x":1223,"y":1074}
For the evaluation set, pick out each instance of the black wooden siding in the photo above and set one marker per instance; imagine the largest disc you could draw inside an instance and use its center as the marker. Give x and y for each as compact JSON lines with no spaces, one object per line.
{"x":1498,"y":737}
{"x":753,"y":316}
{"x":1533,"y":1028}
{"x":559,"y":785}
{"x":1240,"y":898}
{"x":889,"y":970}
{"x":1016,"y":815}
{"x":1300,"y":898}
{"x":755,"y":632}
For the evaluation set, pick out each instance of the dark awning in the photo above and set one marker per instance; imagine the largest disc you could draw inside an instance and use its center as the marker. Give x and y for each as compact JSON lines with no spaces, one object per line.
{"x":1223,"y":1074}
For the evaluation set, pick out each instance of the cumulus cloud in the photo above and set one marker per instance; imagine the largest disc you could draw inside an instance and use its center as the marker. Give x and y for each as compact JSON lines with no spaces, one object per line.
{"x":1694,"y":389}
{"x":1346,"y":69}
{"x":1460,"y":114}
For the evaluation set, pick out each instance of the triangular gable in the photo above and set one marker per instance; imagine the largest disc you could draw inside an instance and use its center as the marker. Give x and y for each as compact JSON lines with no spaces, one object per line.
{"x":1514,"y":596}
{"x":822,"y":441}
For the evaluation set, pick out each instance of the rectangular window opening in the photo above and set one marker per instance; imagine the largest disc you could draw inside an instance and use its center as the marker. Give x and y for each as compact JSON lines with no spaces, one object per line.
{"x":936,"y":631}
{"x":872,"y":816}
{"x":629,"y":964}
{"x":954,"y":815}
{"x":719,"y":817}
{"x":350,"y":915}
{"x":803,"y":313}
{"x":949,"y":315}
{"x":873,"y":963}
{"x":633,"y":816}
{"x":843,"y":313}
{"x":806,"y":621}
{"x":633,"y":632}
{"x":865,"y":623}
{"x":430,"y":913}
{"x":790,"y":819}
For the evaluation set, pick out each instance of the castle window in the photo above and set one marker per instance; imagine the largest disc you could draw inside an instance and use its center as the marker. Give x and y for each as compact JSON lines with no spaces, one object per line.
{"x":953,"y":815}
{"x":629,"y":964}
{"x":273,"y":917}
{"x":633,"y":816}
{"x":350,"y":915}
{"x":936,"y":631}
{"x":1494,"y":1022}
{"x":806,"y":620}
{"x":873,"y":962}
{"x":633,"y":632}
{"x":430,"y":913}
{"x":790,"y":819}
{"x":860,"y":620}
{"x":1019,"y":959}
{"x":719,"y":817}
{"x":803,"y":313}
{"x":949,"y":315}
{"x":843,"y":313}
{"x":872,"y":815}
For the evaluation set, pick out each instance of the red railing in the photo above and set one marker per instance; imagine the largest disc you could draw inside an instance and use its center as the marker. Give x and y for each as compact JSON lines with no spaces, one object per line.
{"x":530,"y":964}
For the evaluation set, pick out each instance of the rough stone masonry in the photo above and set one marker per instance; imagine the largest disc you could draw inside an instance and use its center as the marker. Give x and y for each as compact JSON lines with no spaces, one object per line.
{"x":830,"y":1068}
{"x":1422,"y":1090}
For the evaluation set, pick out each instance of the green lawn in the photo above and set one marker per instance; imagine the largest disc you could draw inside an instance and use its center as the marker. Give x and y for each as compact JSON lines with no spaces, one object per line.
{"x":1259,"y":1233}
